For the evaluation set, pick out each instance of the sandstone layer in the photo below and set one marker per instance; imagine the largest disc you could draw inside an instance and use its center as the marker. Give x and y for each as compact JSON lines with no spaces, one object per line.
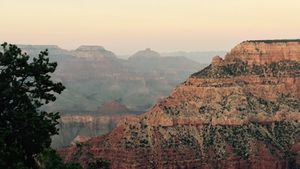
{"x":265,"y":51}
{"x":240,"y":112}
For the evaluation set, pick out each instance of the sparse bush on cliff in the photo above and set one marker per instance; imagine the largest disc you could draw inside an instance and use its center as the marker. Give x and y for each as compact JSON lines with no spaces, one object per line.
{"x":279,"y":136}
{"x":240,"y":68}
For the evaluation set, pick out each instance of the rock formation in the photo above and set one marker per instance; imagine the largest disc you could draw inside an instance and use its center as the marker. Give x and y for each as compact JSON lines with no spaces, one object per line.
{"x":93,"y":52}
{"x":113,"y":108}
{"x":73,"y":128}
{"x":147,"y":53}
{"x":240,"y":112}
{"x":265,"y":51}
{"x":80,"y":139}
{"x":217,"y":60}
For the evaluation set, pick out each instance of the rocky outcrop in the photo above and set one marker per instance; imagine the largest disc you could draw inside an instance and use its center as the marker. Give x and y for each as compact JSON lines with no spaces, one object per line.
{"x":93,"y":53}
{"x":265,"y":51}
{"x":240,"y":112}
{"x":80,"y":139}
{"x":217,"y":60}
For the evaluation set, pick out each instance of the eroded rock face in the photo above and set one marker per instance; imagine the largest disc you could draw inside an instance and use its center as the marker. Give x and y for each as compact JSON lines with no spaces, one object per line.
{"x":73,"y":128}
{"x":242,"y":112}
{"x":217,"y":60}
{"x":262,"y":52}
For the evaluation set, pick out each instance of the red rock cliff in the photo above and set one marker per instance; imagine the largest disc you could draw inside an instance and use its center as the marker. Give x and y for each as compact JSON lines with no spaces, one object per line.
{"x":242,"y":112}
{"x":268,"y":51}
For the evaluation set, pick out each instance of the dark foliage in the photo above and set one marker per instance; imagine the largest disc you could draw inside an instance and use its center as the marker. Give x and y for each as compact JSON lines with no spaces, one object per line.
{"x":99,"y":164}
{"x":25,"y":85}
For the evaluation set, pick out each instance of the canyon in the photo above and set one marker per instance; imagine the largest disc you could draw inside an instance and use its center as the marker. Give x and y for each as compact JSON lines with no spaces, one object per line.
{"x":94,"y":75}
{"x":100,"y":85}
{"x":242,"y":111}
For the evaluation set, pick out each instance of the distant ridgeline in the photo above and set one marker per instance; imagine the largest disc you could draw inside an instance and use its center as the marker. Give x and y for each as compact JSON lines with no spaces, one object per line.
{"x":101,"y":88}
{"x":242,"y":111}
{"x":93,"y":76}
{"x":274,"y":41}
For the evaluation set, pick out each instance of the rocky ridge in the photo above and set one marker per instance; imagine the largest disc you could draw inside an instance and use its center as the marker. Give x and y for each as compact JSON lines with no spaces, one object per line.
{"x":147,"y":53}
{"x":240,"y":112}
{"x":93,"y":53}
{"x":265,"y":51}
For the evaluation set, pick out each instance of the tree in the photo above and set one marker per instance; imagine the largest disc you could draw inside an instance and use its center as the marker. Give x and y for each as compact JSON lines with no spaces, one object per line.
{"x":98,"y":164}
{"x":25,"y":86}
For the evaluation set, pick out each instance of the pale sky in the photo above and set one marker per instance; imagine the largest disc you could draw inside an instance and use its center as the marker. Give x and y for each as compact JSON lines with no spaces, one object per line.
{"x":125,"y":26}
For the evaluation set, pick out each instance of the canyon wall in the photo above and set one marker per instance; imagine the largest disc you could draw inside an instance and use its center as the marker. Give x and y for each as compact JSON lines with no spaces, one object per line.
{"x":268,"y":51}
{"x":240,"y":112}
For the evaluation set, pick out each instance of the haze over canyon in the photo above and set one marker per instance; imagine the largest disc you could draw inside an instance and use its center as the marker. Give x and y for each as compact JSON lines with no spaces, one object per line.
{"x":102,"y":88}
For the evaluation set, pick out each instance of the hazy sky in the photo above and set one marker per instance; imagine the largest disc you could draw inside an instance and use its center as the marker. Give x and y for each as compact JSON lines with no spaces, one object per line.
{"x":125,"y":26}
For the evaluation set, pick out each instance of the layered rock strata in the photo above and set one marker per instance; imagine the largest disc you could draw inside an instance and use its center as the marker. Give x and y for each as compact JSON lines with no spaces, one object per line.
{"x":240,"y":112}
